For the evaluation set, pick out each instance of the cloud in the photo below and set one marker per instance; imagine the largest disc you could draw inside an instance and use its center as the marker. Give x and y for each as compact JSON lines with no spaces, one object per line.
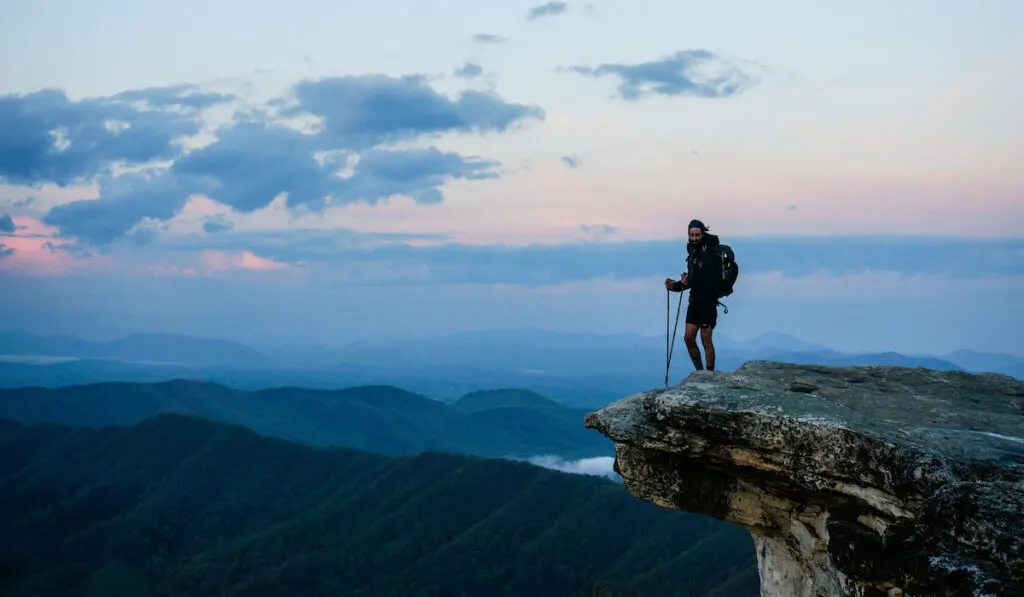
{"x":546,"y":10}
{"x":697,"y":73}
{"x":599,"y":466}
{"x":417,"y":173}
{"x":24,"y":202}
{"x":49,"y":138}
{"x":6,"y":223}
{"x":368,"y":110}
{"x":489,"y":38}
{"x":217,"y":261}
{"x":469,"y":70}
{"x":5,"y":251}
{"x":254,"y":162}
{"x":326,"y":246}
{"x":73,"y":249}
{"x":598,"y":229}
{"x":257,"y":158}
{"x":216,"y":224}
{"x":544,"y":265}
{"x":247,"y":171}
{"x":25,"y":227}
{"x":174,"y":95}
{"x":570,"y":161}
{"x":125,"y":201}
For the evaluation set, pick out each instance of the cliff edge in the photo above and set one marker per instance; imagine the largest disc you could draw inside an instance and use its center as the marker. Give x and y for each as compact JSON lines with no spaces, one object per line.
{"x":853,"y":480}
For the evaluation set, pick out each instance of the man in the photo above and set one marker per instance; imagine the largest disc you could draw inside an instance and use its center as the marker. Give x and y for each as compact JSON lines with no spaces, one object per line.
{"x":703,"y":273}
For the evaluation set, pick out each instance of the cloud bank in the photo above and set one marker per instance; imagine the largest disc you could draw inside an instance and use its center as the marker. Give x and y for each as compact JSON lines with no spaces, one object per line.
{"x":348,"y":153}
{"x":49,"y":138}
{"x":541,"y":265}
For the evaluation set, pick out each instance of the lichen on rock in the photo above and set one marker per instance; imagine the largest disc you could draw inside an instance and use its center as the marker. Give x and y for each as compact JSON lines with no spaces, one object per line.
{"x":853,"y":480}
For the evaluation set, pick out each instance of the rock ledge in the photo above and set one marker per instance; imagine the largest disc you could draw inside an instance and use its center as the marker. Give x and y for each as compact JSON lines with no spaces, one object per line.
{"x":853,"y":481}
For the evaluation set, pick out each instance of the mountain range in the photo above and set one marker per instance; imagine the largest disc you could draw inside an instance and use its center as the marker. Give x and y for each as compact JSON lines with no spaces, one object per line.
{"x":382,"y":419}
{"x":179,"y":505}
{"x":582,"y":370}
{"x":167,"y":465}
{"x":156,"y":349}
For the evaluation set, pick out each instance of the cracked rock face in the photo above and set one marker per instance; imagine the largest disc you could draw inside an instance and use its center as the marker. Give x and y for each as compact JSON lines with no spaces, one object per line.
{"x":853,"y":480}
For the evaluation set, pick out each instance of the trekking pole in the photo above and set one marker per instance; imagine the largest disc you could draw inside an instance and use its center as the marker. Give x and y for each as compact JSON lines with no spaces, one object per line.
{"x":668,"y":353}
{"x":670,"y":347}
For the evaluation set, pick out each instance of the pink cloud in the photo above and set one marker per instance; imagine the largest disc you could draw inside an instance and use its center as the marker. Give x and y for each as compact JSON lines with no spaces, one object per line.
{"x":31,"y":227}
{"x":171,"y":270}
{"x":37,"y":250}
{"x":35,"y":256}
{"x":220,"y":261}
{"x":203,"y":206}
{"x":249,"y":260}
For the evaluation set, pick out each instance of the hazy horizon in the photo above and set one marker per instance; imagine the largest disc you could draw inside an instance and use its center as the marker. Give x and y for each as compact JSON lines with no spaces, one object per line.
{"x":338,"y":171}
{"x":276,"y":345}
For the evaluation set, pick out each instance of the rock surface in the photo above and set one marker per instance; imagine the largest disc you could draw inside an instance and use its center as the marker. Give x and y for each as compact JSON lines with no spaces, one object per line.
{"x":853,"y":481}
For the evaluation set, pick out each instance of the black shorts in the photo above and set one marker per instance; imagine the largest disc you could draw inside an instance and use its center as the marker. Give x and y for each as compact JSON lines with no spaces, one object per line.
{"x":702,"y":313}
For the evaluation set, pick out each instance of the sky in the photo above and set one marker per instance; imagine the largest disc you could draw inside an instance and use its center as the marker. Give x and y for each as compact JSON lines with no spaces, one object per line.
{"x":330,"y":171}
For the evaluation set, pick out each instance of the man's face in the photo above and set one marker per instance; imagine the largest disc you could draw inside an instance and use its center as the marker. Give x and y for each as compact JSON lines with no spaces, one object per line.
{"x":696,"y":234}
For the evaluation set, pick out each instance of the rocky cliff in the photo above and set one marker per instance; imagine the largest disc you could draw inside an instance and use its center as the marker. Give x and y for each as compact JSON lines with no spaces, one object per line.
{"x":853,"y":481}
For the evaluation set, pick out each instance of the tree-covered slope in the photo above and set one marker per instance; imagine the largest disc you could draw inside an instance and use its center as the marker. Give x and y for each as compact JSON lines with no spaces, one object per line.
{"x":177,"y":505}
{"x":381,"y":419}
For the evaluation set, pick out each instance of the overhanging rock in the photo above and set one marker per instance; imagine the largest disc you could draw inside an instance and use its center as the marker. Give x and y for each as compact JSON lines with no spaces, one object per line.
{"x":853,"y":481}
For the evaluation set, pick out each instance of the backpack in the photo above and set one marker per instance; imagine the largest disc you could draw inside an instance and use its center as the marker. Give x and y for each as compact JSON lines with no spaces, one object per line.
{"x":730,"y":270}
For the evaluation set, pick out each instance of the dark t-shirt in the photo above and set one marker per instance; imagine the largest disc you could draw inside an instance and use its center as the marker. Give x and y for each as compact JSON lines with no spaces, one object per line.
{"x":703,"y":270}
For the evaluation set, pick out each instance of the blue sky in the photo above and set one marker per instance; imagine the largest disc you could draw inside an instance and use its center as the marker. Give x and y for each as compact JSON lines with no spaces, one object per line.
{"x":336,"y":170}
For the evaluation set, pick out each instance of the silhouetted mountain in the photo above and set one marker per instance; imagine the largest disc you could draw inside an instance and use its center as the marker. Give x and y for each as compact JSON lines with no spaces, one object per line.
{"x":506,"y":398}
{"x":380,"y":419}
{"x":538,"y":354}
{"x":838,"y":359}
{"x":1006,"y":364}
{"x":443,"y":384}
{"x":139,"y":348}
{"x":773,"y":341}
{"x":177,"y":505}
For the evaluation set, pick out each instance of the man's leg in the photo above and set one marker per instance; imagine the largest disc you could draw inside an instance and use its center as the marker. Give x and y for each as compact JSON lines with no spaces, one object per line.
{"x":690,"y":335}
{"x":708,"y":321}
{"x":691,"y":345}
{"x":706,"y":333}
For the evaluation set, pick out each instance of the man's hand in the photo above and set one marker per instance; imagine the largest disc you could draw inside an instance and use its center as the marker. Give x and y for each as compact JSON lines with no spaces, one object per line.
{"x":669,"y":283}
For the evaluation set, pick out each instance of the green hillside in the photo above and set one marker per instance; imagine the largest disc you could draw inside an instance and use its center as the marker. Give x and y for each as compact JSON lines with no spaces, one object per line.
{"x":177,"y":505}
{"x":506,"y":398}
{"x":381,"y":419}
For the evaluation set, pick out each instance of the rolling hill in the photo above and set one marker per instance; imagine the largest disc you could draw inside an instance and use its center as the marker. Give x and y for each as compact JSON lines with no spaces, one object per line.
{"x":381,"y":419}
{"x":178,"y":505}
{"x":482,"y":400}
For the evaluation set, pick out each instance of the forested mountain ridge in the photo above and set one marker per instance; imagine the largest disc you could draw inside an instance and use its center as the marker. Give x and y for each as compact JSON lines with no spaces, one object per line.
{"x":178,"y":505}
{"x":382,"y":419}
